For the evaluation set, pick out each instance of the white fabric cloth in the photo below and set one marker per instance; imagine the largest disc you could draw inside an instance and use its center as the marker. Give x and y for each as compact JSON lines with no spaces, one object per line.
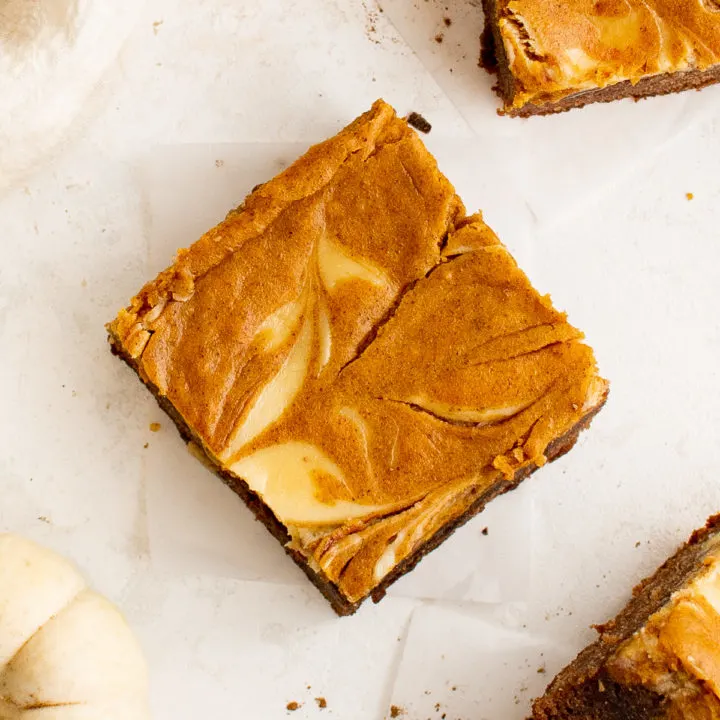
{"x":52,"y":55}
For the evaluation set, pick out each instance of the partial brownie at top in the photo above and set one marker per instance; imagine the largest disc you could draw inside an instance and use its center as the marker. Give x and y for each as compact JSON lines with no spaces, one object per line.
{"x":361,"y":362}
{"x":553,"y":56}
{"x":659,"y":659}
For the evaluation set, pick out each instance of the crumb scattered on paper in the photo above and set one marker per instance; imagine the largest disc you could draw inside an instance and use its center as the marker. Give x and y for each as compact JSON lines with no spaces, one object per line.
{"x":396,"y":711}
{"x":322,"y":702}
{"x":293,"y":706}
{"x":155,"y":426}
{"x":371,"y":18}
{"x":485,"y":531}
{"x":447,"y":21}
{"x":689,"y":196}
{"x":44,"y":519}
{"x":439,"y":38}
{"x":417,"y":121}
{"x":156,"y":26}
{"x":146,"y":446}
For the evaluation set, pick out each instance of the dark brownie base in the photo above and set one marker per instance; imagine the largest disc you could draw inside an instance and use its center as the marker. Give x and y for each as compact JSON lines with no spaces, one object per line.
{"x":340,"y":604}
{"x":494,"y":59}
{"x":584,"y":689}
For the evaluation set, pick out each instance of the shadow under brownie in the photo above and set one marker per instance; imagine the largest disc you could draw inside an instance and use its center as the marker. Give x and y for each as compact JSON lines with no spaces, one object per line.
{"x":362,"y":362}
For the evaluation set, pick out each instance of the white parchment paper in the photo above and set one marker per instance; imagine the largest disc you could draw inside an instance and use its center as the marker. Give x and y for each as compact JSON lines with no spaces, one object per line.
{"x":464,"y":661}
{"x":637,"y":271}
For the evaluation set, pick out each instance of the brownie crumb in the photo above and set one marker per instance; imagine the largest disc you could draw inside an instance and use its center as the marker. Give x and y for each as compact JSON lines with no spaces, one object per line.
{"x":396,"y":711}
{"x":146,"y":446}
{"x":293,"y":706}
{"x":417,"y":121}
{"x":637,"y":544}
{"x":541,"y":670}
{"x":322,"y":702}
{"x":689,"y":196}
{"x":447,"y":21}
{"x":371,"y":19}
{"x":155,"y":426}
{"x":485,"y":531}
{"x":439,"y":38}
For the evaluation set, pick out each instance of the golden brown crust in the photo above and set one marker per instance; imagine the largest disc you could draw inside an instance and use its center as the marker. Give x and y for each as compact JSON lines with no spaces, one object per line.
{"x":367,"y":359}
{"x":304,"y":178}
{"x":554,"y":50}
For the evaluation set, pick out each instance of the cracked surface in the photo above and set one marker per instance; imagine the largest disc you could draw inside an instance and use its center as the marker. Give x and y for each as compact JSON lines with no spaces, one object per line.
{"x":365,"y":357}
{"x":557,"y":49}
{"x":65,"y":652}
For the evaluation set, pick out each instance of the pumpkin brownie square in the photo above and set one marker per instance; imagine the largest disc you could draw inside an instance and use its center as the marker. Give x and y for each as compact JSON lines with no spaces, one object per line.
{"x":660,"y":657}
{"x":365,"y":365}
{"x":554,"y":55}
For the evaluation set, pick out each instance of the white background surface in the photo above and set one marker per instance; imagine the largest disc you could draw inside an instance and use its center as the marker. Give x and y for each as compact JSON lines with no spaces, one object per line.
{"x":594,"y":206}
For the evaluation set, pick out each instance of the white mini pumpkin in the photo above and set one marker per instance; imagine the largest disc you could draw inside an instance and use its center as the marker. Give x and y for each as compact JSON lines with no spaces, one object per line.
{"x":66,"y":653}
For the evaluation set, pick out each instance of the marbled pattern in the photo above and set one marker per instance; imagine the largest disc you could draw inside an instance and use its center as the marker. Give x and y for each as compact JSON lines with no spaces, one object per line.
{"x":556,"y":48}
{"x":384,"y":369}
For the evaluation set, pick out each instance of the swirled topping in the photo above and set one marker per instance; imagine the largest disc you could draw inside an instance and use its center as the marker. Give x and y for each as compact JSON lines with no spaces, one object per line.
{"x":559,"y":49}
{"x":367,"y":359}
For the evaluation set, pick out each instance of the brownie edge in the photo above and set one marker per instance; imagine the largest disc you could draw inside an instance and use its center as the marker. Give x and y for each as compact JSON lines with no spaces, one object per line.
{"x":340,"y":604}
{"x":493,"y":56}
{"x":584,"y":689}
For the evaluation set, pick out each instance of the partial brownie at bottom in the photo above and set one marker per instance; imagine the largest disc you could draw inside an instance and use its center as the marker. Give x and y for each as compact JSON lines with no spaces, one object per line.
{"x":360,"y":360}
{"x":660,"y":657}
{"x":549,"y":61}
